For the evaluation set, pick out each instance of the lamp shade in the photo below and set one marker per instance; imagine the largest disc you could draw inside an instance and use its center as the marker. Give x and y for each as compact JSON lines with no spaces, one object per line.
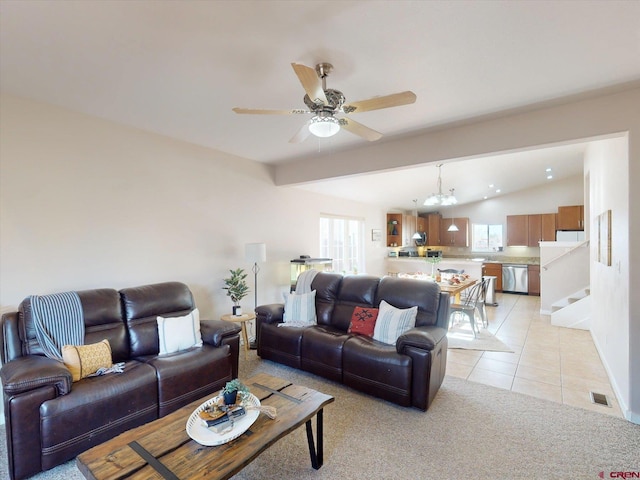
{"x":324,"y":126}
{"x":255,"y":252}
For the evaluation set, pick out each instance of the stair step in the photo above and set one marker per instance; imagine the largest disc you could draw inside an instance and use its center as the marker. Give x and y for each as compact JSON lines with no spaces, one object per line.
{"x":569,"y":299}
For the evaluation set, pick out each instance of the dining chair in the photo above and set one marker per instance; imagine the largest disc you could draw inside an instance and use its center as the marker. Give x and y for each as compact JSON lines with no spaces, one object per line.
{"x":468,"y":307}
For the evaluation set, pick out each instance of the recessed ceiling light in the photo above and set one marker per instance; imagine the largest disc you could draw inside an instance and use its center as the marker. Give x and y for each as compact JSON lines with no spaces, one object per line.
{"x":498,"y":191}
{"x":485,"y":197}
{"x":491,"y":186}
{"x":548,"y":170}
{"x":549,"y":177}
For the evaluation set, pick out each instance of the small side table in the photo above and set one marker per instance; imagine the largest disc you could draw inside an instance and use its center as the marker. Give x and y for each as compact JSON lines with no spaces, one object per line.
{"x":243,"y":319}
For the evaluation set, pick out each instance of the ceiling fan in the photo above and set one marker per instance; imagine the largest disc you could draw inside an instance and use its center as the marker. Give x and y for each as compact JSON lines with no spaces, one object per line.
{"x":325,"y":103}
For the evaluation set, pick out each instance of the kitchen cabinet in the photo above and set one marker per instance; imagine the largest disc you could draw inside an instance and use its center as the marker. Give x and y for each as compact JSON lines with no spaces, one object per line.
{"x":421,"y":224}
{"x":517,"y":230}
{"x":570,"y":218}
{"x":394,"y":229}
{"x":493,"y":270}
{"x":409,"y":227}
{"x":541,"y":228}
{"x":548,"y":227}
{"x":533,"y":272}
{"x":454,"y":239}
{"x":433,"y":229}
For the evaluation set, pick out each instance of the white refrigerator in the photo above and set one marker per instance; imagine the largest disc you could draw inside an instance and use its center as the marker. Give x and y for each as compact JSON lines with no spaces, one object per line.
{"x":569,"y":236}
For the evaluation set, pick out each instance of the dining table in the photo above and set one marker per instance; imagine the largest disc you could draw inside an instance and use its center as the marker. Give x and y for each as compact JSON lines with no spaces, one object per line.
{"x":456,"y":288}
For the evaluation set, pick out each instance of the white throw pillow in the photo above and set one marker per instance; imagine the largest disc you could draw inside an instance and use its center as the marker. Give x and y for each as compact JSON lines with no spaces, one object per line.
{"x":179,"y":333}
{"x":393,"y":322}
{"x":300,"y":309}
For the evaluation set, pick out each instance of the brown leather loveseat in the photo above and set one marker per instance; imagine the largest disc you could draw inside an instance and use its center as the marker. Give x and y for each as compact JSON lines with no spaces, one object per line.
{"x":408,"y":373}
{"x":50,"y":419}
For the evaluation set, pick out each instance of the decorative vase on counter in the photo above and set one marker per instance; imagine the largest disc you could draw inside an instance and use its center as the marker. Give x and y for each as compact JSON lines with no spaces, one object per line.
{"x":237,"y":310}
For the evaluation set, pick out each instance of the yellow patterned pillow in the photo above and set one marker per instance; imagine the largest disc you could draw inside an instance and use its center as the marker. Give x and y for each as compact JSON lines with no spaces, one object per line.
{"x":83,"y":360}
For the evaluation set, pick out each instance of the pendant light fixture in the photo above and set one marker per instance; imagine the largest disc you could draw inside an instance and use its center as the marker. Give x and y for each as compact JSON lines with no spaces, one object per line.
{"x":416,"y":236}
{"x":440,"y":198}
{"x":452,"y":227}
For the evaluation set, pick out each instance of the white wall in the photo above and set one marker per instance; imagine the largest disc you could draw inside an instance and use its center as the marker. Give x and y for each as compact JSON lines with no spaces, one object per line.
{"x":86,"y":203}
{"x":611,"y":318}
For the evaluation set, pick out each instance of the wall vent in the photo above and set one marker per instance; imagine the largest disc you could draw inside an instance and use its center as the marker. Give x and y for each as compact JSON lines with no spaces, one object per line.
{"x":600,"y":399}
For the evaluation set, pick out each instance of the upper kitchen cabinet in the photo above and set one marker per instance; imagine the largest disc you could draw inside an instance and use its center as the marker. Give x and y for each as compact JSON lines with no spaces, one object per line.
{"x":394,"y":229}
{"x":454,"y":239}
{"x":517,"y":230}
{"x":433,"y":229}
{"x":541,"y":228}
{"x":409,"y":227}
{"x":570,"y":218}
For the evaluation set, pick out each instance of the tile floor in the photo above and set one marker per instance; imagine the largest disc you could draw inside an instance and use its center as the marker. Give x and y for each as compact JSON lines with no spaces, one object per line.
{"x":558,"y":364}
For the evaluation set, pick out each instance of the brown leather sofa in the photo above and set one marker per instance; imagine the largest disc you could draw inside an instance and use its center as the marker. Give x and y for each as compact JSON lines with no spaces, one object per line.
{"x":408,"y":373}
{"x":50,"y":420}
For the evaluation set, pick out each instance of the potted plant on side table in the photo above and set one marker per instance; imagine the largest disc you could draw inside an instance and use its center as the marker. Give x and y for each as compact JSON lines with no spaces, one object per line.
{"x":237,"y":288}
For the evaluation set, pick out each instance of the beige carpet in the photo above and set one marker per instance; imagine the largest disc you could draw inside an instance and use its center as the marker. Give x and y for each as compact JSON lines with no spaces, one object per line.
{"x":471,"y":431}
{"x":461,"y":336}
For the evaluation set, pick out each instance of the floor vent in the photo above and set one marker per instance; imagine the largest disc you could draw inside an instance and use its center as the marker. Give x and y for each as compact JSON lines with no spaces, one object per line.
{"x":600,"y":399}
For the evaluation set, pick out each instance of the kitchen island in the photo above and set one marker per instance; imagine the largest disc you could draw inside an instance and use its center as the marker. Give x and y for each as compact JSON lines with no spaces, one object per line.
{"x":420,"y":265}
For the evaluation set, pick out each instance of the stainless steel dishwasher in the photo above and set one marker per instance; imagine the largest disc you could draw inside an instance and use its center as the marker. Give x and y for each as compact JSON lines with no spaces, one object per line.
{"x":515,"y":278}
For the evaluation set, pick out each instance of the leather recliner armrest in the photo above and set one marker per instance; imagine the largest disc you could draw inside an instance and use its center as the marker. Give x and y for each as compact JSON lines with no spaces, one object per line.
{"x":215,"y":331}
{"x":421,"y":337}
{"x":34,"y":371}
{"x":272,"y":313}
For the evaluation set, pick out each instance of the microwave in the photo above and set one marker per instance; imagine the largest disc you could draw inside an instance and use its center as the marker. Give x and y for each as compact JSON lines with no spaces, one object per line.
{"x":434,"y":253}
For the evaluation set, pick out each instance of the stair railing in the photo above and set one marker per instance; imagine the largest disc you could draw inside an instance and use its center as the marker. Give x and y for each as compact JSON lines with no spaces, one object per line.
{"x":568,"y":252}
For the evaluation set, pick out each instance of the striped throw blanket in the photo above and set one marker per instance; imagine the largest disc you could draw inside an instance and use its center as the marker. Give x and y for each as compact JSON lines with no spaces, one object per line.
{"x":58,"y":321}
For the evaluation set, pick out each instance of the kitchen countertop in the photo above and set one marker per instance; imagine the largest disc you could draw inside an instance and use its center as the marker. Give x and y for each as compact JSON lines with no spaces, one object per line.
{"x":476,"y":260}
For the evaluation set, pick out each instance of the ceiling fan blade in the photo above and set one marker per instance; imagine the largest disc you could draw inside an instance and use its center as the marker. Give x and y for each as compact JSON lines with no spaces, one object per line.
{"x":259,"y":111}
{"x":310,"y":82}
{"x":376,"y":103}
{"x":301,"y":135}
{"x":360,"y":130}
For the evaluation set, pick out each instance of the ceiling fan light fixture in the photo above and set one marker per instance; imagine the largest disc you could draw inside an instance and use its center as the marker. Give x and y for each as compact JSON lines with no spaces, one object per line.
{"x":324,"y":126}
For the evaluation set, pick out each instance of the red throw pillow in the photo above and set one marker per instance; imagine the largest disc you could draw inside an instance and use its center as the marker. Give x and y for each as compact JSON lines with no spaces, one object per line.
{"x":363,"y":321}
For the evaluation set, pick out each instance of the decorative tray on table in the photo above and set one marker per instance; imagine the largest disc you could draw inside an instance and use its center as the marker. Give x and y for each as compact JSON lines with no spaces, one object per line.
{"x":198,"y":431}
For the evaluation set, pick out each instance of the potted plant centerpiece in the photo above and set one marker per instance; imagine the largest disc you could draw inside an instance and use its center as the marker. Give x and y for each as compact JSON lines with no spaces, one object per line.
{"x":237,"y":288}
{"x":433,"y":261}
{"x":232,"y":389}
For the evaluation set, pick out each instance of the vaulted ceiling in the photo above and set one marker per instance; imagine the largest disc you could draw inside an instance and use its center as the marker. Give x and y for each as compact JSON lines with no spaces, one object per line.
{"x":178,"y":68}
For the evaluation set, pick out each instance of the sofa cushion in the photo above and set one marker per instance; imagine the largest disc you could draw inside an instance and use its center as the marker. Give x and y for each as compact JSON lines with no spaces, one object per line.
{"x":97,"y":409}
{"x":355,"y":290}
{"x":363,"y":321}
{"x":300,"y":309}
{"x":142,"y":306}
{"x":377,"y":369}
{"x":102,"y":319}
{"x":179,"y":333}
{"x":321,"y":351}
{"x":85,"y":360}
{"x":408,"y":292}
{"x":189,"y":375}
{"x":393,"y":322}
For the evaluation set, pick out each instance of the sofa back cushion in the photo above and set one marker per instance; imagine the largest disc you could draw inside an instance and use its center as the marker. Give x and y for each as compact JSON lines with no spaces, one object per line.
{"x":326,"y":286}
{"x":407,"y":292}
{"x":102,"y":319}
{"x":338,"y":295}
{"x":142,"y":306}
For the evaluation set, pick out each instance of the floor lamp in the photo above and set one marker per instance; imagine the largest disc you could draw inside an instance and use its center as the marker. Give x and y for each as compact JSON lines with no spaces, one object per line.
{"x":254,"y":253}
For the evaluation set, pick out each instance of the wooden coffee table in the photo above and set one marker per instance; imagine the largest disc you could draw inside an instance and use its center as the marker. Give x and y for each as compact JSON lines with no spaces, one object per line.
{"x":169,"y":453}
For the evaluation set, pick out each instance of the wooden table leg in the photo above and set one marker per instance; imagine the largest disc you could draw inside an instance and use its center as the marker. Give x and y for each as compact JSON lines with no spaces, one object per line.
{"x":245,"y":338}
